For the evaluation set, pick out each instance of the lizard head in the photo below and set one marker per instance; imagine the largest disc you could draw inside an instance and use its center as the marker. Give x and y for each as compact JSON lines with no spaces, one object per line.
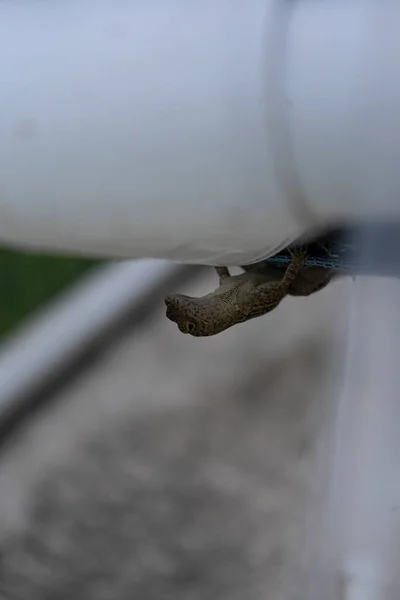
{"x":196,"y":316}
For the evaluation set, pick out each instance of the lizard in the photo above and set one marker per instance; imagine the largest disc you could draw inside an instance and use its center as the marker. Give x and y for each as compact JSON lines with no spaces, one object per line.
{"x":257,"y":291}
{"x":202,"y":316}
{"x":309,"y":280}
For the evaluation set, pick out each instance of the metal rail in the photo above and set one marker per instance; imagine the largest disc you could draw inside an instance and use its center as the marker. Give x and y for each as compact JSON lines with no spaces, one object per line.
{"x":61,"y":341}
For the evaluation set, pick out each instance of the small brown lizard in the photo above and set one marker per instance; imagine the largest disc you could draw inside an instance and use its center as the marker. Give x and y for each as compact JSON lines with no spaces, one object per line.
{"x":308,"y":281}
{"x":239,"y":297}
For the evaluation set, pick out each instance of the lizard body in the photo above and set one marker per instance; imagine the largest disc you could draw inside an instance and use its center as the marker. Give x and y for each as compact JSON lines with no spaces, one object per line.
{"x":237,"y":299}
{"x":307,"y":282}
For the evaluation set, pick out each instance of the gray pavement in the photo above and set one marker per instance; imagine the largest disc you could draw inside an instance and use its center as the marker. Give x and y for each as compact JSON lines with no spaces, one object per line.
{"x":176,"y":467}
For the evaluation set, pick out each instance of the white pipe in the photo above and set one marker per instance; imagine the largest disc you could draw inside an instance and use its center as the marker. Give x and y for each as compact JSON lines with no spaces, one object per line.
{"x":52,"y":338}
{"x":211,"y":132}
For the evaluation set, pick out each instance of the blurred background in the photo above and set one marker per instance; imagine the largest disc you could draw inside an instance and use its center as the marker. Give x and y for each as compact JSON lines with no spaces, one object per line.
{"x":136,"y":462}
{"x":28,"y":281}
{"x":161,"y":465}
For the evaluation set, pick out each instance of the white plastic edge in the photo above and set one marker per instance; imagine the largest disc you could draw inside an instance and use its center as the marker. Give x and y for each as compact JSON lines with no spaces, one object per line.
{"x":138,"y":130}
{"x":52,"y":337}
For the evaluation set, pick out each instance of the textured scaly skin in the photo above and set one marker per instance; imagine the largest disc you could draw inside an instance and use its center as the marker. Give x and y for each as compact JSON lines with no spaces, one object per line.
{"x":237,"y":299}
{"x":307,"y":282}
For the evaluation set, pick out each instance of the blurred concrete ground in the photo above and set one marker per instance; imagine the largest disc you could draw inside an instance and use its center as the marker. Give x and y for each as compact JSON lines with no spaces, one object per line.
{"x":176,"y":467}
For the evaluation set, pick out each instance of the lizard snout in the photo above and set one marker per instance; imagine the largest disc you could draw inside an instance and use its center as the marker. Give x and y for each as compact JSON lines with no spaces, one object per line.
{"x":169,"y":305}
{"x":172,"y":308}
{"x":174,"y":300}
{"x":177,"y":311}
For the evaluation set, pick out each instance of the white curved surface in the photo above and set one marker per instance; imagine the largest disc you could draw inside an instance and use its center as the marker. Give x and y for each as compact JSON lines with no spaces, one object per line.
{"x":137,"y":129}
{"x":194,"y":133}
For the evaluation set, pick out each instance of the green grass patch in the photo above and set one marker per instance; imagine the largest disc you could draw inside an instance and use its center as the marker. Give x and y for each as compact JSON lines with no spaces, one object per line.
{"x":28,"y":281}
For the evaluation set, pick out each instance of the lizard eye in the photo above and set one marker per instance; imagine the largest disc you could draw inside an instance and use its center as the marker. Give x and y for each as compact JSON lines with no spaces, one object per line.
{"x":189,"y":326}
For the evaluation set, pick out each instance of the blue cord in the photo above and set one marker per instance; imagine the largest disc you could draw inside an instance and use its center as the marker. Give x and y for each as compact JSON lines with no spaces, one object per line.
{"x":327,"y":262}
{"x":373,"y":249}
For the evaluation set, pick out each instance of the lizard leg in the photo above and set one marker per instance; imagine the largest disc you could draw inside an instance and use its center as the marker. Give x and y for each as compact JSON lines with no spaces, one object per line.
{"x":265,"y":296}
{"x":311,"y":280}
{"x":223,"y":273}
{"x":308,"y":281}
{"x":299,"y":256}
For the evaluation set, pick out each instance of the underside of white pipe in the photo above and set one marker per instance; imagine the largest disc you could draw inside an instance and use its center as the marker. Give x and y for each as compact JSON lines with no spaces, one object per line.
{"x":212,"y":133}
